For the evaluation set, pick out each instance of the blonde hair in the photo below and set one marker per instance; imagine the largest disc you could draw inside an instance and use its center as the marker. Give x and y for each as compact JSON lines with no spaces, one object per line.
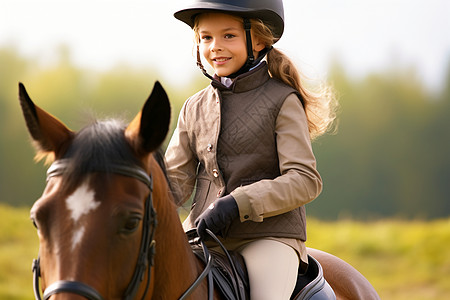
{"x":320,"y":106}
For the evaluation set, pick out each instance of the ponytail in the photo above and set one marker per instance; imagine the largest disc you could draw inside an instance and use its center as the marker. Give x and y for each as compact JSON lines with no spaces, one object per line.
{"x":320,"y":107}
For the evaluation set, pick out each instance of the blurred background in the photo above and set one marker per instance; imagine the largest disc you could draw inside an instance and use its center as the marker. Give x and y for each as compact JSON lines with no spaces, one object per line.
{"x":386,"y":171}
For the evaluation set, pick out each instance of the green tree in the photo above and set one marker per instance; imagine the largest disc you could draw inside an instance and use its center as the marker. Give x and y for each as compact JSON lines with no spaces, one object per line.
{"x":388,"y":156}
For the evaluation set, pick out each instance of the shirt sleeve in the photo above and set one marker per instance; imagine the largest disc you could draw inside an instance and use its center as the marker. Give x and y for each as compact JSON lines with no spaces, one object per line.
{"x":181,"y":162}
{"x":299,"y":182}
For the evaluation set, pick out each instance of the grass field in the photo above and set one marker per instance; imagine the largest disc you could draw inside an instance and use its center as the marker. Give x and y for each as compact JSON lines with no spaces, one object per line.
{"x":402,"y":259}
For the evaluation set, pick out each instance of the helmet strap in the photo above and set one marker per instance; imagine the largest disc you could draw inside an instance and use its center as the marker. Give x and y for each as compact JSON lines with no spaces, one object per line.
{"x":200,"y":65}
{"x":248,"y":36}
{"x":251,"y":62}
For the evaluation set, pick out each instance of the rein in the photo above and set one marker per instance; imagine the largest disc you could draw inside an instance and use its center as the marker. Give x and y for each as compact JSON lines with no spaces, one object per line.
{"x":146,"y":252}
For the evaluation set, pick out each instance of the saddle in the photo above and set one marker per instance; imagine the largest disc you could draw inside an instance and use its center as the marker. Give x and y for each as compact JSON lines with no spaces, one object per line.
{"x":229,"y":275}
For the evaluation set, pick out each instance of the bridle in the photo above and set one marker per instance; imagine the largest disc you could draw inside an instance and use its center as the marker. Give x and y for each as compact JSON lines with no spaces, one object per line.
{"x":146,"y":252}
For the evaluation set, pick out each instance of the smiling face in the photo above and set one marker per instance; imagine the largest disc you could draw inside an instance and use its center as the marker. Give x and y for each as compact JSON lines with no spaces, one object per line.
{"x":223,"y":43}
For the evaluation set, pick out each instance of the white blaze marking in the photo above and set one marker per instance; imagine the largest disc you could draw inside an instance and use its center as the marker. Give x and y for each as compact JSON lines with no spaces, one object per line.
{"x":80,"y":203}
{"x":78,"y":235}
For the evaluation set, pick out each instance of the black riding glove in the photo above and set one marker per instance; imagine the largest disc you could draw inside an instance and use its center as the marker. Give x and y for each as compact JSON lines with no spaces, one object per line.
{"x":217,"y":216}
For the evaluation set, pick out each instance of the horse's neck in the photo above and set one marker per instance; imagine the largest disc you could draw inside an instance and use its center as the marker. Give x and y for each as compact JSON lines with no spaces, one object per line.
{"x":176,"y":267}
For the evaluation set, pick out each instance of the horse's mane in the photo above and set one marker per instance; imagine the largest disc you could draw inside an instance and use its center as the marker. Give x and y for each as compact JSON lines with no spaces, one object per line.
{"x":97,"y":147}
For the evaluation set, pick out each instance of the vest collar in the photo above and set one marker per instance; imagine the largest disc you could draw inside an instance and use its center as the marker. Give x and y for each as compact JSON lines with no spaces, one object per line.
{"x":245,"y":82}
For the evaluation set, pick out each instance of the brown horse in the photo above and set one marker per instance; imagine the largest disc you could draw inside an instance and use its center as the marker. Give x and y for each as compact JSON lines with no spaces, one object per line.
{"x":96,"y":219}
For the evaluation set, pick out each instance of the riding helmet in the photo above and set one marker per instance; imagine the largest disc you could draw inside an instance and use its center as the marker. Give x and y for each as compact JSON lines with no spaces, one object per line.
{"x":271,"y":12}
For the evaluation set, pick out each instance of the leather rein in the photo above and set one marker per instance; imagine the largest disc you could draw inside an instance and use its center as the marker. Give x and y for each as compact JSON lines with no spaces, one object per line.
{"x":146,"y":252}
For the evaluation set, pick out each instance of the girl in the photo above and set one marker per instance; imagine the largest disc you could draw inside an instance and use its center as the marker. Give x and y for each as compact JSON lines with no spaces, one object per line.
{"x":242,"y":146}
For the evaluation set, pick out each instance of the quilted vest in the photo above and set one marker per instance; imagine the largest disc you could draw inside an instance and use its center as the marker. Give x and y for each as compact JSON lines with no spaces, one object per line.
{"x":247,"y":152}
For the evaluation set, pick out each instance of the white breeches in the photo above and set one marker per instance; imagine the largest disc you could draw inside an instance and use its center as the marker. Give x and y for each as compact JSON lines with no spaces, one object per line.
{"x":272,"y":269}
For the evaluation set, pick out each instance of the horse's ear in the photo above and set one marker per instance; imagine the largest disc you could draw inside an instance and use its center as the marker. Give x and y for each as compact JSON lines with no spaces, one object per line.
{"x":149,"y":128}
{"x":48,"y":133}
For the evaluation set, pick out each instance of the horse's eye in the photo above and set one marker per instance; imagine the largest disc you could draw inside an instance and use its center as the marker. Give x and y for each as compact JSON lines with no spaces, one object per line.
{"x":131,"y":224}
{"x":34,"y":223}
